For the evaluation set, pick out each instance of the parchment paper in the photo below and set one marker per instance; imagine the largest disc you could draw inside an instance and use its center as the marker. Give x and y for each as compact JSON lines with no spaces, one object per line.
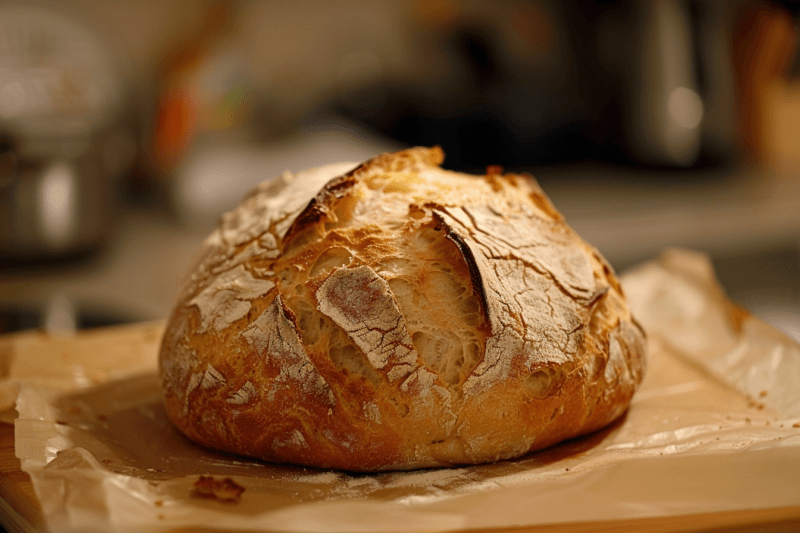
{"x":715,"y":427}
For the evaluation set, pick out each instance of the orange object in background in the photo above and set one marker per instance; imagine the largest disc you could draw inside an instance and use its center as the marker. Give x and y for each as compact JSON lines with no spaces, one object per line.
{"x":201,"y":89}
{"x":764,"y":42}
{"x":176,"y":124}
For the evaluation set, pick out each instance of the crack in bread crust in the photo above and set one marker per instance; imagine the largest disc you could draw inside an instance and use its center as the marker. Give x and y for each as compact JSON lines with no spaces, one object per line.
{"x":394,"y":315}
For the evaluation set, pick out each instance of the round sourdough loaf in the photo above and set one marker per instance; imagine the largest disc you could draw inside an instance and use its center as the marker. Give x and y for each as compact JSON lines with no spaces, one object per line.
{"x":394,"y":316}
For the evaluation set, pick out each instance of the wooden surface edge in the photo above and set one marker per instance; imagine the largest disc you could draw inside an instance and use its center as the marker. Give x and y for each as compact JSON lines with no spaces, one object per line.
{"x":775,"y":520}
{"x":13,"y":522}
{"x":19,"y":509}
{"x":772,"y":520}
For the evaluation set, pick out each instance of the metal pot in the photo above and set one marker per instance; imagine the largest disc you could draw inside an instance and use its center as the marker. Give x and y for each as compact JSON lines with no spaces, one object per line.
{"x":53,"y":204}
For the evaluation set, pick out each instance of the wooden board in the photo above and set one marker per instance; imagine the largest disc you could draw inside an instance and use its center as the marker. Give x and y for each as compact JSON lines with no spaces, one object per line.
{"x":19,"y":509}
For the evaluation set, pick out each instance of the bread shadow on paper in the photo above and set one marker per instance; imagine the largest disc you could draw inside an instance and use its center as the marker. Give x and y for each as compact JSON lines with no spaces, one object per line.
{"x":123,"y":425}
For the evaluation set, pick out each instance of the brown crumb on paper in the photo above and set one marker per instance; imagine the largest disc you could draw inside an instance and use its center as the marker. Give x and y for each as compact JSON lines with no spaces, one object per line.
{"x":227,"y":490}
{"x":755,"y":404}
{"x":762,"y":393}
{"x":796,"y":425}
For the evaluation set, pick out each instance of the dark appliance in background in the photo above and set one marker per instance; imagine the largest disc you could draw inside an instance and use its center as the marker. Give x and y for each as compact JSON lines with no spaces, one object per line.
{"x":645,"y":83}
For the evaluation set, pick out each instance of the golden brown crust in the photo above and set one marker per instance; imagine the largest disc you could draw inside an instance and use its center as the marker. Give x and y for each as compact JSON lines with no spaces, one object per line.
{"x":397,"y":316}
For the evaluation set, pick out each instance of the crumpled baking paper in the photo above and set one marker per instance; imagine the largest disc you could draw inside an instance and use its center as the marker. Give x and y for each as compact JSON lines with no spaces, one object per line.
{"x":715,"y":427}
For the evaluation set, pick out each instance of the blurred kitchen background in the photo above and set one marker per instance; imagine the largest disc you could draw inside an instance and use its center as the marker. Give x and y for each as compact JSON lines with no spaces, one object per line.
{"x":128,"y":127}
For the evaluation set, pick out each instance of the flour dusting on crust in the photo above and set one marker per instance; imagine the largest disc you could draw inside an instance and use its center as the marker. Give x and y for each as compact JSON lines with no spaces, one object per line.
{"x":361,"y":303}
{"x":273,"y":335}
{"x":212,"y":378}
{"x":244,"y":395}
{"x":227,"y":298}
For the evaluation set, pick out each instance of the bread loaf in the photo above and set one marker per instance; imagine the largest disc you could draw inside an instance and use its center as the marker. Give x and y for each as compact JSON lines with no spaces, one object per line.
{"x":396,"y":315}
